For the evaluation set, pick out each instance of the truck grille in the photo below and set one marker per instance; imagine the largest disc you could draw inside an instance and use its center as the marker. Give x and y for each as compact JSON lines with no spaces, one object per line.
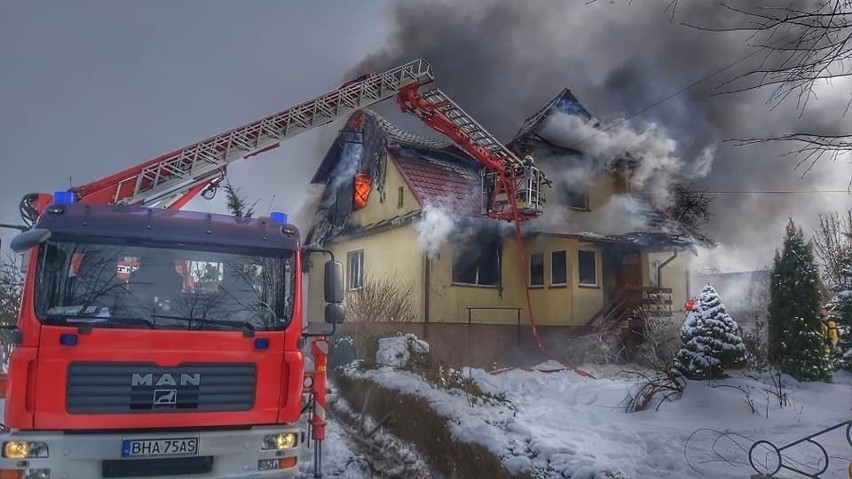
{"x":133,"y":388}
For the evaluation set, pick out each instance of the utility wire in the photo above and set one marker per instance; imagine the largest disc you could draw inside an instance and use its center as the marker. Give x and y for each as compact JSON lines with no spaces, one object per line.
{"x":754,"y":192}
{"x":682,"y":90}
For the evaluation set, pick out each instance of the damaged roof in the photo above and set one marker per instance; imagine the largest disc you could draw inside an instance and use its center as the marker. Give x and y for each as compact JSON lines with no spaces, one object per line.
{"x":439,"y":179}
{"x":439,"y":173}
{"x":365,"y":122}
{"x":531,"y":131}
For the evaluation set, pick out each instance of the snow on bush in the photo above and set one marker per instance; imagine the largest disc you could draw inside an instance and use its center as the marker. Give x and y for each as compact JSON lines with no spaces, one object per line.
{"x":396,"y":351}
{"x":711,"y":339}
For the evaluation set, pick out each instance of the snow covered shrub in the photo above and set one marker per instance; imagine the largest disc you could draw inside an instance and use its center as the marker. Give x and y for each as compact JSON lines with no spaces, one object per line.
{"x":398,"y":350}
{"x":711,"y":340}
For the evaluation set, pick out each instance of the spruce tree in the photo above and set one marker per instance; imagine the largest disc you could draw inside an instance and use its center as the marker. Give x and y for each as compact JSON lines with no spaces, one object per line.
{"x":795,"y":338}
{"x":238,"y":205}
{"x":712,"y":341}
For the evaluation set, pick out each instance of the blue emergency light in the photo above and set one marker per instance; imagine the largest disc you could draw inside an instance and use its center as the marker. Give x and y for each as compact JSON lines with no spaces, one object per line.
{"x":62,"y":197}
{"x":278,"y":217}
{"x":261,"y":343}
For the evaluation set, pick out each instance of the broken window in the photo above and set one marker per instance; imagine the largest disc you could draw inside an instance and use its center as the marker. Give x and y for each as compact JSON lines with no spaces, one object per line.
{"x":587,"y":268}
{"x":537,"y":269}
{"x":558,"y":268}
{"x":478,"y":262}
{"x":355,"y":268}
{"x":578,"y":200}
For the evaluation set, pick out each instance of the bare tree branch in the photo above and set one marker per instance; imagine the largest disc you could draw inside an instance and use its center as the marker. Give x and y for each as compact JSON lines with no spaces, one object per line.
{"x":799,"y":47}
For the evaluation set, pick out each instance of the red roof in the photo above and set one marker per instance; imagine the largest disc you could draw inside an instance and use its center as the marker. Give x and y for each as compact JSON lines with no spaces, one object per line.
{"x":440,"y":182}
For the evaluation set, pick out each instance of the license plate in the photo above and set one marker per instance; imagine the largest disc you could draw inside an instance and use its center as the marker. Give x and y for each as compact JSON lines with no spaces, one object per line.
{"x":182,"y":446}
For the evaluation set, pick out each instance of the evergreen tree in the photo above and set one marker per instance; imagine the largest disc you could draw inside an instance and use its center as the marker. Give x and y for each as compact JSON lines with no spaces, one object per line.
{"x":795,"y":329}
{"x":712,"y":341}
{"x":237,"y":205}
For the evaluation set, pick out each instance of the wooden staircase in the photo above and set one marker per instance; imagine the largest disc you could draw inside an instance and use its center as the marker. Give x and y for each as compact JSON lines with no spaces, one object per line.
{"x":631,"y":303}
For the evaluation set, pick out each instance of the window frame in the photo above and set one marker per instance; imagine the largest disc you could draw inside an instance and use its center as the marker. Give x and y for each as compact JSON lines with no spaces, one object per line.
{"x":530,"y":270}
{"x":400,"y":197}
{"x":477,"y":283}
{"x":564,"y":283}
{"x":580,"y":282}
{"x":359,"y":253}
{"x":585,"y":196}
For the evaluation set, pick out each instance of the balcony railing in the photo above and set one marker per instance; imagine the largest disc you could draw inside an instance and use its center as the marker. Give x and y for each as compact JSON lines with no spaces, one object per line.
{"x":630,"y":303}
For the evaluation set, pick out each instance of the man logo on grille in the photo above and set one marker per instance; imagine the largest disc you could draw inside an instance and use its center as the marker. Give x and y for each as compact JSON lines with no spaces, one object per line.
{"x":165,"y":397}
{"x":165,"y":379}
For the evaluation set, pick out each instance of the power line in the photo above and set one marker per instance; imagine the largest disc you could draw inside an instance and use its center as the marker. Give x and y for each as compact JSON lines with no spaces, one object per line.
{"x":754,"y":192}
{"x":682,"y":90}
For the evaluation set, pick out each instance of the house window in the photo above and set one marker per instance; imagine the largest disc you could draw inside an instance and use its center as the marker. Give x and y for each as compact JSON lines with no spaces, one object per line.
{"x":587,"y":268}
{"x":558,"y":268}
{"x":399,"y":197}
{"x":477,"y":264}
{"x":355,"y":265}
{"x":578,"y":200}
{"x":537,"y":269}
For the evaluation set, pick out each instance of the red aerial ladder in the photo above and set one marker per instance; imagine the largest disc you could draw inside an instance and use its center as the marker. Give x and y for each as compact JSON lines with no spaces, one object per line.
{"x":512,"y":189}
{"x":72,"y":343}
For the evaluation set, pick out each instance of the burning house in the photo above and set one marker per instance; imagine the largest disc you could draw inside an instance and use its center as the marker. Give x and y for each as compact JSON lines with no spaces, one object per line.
{"x":407,"y":206}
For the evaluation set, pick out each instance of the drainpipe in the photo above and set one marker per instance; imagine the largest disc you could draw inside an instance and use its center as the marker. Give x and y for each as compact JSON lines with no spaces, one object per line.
{"x":427,"y":266}
{"x":660,"y":269}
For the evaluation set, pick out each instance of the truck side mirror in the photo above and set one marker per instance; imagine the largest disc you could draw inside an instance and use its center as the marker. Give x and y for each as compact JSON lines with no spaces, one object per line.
{"x":28,"y":239}
{"x":334,"y":313}
{"x":333,"y":282}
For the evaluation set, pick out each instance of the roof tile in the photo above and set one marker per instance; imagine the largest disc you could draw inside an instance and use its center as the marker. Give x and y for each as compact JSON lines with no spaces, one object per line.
{"x":439,"y":182}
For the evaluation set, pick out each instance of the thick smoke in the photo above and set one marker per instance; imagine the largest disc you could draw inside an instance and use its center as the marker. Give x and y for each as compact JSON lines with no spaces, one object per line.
{"x":502,"y":60}
{"x":659,"y":164}
{"x":434,"y":228}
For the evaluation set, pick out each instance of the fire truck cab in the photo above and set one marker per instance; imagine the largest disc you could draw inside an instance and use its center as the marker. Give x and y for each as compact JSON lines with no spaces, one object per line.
{"x":158,"y":342}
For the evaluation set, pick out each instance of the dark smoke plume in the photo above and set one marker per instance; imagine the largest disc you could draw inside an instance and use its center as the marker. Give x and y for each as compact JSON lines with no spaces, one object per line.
{"x":501,"y":60}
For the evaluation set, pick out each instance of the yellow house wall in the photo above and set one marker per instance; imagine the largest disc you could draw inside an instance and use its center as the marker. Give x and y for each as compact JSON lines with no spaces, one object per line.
{"x":552,"y":305}
{"x":379,"y":209}
{"x":390,"y":253}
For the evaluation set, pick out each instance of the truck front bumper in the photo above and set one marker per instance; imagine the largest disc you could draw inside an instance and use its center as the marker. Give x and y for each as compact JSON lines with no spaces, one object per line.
{"x":174,"y":454}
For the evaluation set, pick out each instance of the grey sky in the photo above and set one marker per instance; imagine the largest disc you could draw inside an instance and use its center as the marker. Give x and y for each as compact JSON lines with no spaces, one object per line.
{"x":90,"y":87}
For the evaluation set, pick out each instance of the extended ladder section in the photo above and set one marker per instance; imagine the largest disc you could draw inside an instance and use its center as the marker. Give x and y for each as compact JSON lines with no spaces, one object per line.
{"x":168,"y":179}
{"x":511,"y":188}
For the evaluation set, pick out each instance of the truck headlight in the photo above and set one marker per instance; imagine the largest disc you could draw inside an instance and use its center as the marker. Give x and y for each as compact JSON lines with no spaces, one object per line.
{"x":285,"y":440}
{"x":24,"y":449}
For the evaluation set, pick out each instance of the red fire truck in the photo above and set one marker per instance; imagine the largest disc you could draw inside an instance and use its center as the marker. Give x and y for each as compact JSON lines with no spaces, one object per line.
{"x":155,"y":342}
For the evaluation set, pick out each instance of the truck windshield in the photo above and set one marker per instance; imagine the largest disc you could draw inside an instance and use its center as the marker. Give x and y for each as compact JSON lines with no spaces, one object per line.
{"x":159,"y":288}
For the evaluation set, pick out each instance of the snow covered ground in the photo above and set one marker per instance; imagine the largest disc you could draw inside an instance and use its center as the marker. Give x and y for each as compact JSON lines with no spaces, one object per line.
{"x":339,"y":460}
{"x":560,"y":424}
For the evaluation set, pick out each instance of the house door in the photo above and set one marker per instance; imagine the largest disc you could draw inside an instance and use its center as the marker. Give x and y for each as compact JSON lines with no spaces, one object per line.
{"x":631,"y":270}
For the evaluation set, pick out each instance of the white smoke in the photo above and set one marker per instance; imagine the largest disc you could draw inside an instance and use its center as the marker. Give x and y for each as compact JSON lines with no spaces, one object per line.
{"x":347,"y":166}
{"x":621,"y":214}
{"x":434,"y":229}
{"x":659,"y":165}
{"x":306,"y":210}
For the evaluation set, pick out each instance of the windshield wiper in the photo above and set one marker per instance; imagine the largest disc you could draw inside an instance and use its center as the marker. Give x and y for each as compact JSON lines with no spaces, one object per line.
{"x":241,"y":325}
{"x":105,"y":321}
